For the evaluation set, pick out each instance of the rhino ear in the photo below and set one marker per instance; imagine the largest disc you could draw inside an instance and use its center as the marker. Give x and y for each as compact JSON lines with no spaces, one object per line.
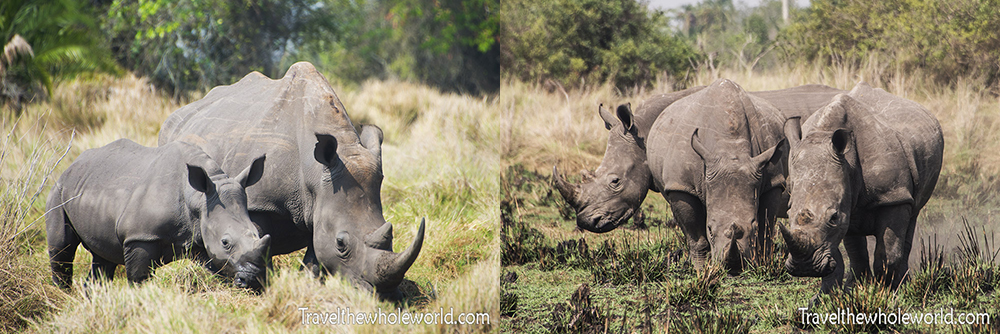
{"x":326,"y":149}
{"x":793,"y":130}
{"x":625,"y":116}
{"x":371,"y":138}
{"x":772,"y":155}
{"x":840,"y":139}
{"x":698,"y":147}
{"x":609,"y":120}
{"x":199,"y":179}
{"x":252,"y":173}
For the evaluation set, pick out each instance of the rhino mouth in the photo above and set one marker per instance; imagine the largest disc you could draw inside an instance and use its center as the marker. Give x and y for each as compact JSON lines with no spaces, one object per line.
{"x":605,"y":223}
{"x":821,"y":264}
{"x":249,"y":276}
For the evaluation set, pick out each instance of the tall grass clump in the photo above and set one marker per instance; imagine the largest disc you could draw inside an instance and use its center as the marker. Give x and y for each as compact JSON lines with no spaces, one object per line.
{"x":638,"y":260}
{"x":704,"y":322}
{"x":26,"y":168}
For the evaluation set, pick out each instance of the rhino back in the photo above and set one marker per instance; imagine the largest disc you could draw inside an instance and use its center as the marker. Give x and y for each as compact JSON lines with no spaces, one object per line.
{"x":716,"y":112}
{"x":799,"y":101}
{"x":919,"y":135}
{"x":651,"y":108}
{"x":124,"y":191}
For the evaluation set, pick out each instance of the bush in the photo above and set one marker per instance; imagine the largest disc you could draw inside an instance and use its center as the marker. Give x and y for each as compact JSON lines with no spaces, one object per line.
{"x":577,"y":41}
{"x":949,"y":39}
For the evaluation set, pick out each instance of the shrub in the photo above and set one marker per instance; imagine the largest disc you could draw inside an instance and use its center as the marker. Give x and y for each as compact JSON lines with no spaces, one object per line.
{"x":949,"y":39}
{"x":573,"y":42}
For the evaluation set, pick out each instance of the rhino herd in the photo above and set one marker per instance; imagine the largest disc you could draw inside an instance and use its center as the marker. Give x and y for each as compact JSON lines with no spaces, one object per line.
{"x":840,"y":165}
{"x":305,"y":178}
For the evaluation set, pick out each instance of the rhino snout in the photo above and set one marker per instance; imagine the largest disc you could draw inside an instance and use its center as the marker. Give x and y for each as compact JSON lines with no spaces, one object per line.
{"x":821,"y":265}
{"x":249,"y":276}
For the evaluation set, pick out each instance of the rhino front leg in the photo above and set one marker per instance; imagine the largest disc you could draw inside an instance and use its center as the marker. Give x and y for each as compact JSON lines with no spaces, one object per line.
{"x":140,"y":258}
{"x":892,"y":248}
{"x":689,"y":214}
{"x":311,"y":263}
{"x":102,"y":269}
{"x":836,"y":278}
{"x":857,"y":251}
{"x":773,"y":204}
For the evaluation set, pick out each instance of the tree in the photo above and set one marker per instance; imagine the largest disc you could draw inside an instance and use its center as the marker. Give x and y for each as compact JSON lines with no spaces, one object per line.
{"x":63,"y":41}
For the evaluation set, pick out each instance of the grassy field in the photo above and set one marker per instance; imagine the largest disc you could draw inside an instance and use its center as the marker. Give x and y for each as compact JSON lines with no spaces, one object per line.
{"x":638,"y":278}
{"x":440,"y":162}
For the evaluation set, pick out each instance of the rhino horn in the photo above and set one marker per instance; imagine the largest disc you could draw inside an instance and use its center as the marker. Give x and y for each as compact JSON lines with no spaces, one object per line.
{"x":380,"y":238}
{"x":392,"y":266}
{"x":568,"y":191}
{"x":795,"y":246}
{"x":263,"y":243}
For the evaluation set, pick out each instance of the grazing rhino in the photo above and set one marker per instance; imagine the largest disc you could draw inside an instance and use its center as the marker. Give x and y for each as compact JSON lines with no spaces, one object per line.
{"x":141,"y":207}
{"x":608,"y":199}
{"x":863,"y":165}
{"x":322,"y":190}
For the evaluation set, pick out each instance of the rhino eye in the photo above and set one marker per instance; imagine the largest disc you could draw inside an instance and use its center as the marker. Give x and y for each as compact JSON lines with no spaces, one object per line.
{"x":615,"y":182}
{"x":226,"y":243}
{"x":342,"y":241}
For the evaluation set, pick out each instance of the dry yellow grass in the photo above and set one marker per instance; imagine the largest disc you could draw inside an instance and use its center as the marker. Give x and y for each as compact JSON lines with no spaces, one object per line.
{"x":440,"y":162}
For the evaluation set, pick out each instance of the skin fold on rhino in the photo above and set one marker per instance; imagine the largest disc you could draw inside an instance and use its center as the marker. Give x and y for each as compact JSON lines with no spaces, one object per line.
{"x":141,"y":207}
{"x":322,"y":189}
{"x":609,"y":196}
{"x":863,"y":165}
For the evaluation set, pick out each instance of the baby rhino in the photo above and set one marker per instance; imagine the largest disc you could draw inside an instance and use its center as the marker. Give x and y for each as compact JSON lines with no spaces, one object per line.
{"x":140,"y":206}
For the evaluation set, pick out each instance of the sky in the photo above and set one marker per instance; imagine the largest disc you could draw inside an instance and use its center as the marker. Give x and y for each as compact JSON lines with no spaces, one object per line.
{"x":670,"y":4}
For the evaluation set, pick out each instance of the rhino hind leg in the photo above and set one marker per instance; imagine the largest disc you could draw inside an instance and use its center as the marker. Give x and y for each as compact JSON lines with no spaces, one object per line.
{"x":62,"y":240}
{"x":140,"y":259}
{"x":101,"y":269}
{"x":689,"y":213}
{"x":892,"y":248}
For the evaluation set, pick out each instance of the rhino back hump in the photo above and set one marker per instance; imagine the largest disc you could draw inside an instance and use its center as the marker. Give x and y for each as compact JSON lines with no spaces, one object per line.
{"x":280,"y":118}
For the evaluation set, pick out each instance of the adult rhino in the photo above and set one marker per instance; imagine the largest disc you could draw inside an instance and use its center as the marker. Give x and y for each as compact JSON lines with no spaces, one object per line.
{"x":322,"y":189}
{"x":141,"y":207}
{"x":610,"y":196}
{"x":863,"y":165}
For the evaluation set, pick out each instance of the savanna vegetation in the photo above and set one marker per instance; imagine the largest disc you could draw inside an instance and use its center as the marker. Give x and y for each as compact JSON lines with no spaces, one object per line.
{"x":79,"y":75}
{"x":639,"y":278}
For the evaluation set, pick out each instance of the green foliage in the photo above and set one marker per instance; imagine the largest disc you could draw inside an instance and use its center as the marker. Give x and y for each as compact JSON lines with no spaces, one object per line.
{"x":737,"y":37}
{"x":949,"y":39}
{"x":578,"y":41}
{"x":449,"y":44}
{"x":189,"y":44}
{"x":63,"y":40}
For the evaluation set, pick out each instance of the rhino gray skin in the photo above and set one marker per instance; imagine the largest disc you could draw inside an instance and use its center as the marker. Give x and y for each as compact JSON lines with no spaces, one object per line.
{"x":140,"y":206}
{"x":610,"y":196}
{"x":863,"y":165}
{"x":322,"y":188}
